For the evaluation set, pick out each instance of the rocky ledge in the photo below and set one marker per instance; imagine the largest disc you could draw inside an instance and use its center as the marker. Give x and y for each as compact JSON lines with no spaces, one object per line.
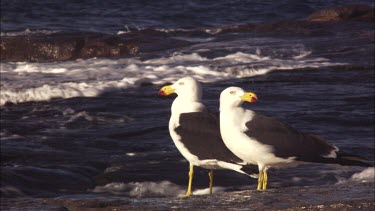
{"x":343,"y":13}
{"x":346,"y":196}
{"x":71,"y":46}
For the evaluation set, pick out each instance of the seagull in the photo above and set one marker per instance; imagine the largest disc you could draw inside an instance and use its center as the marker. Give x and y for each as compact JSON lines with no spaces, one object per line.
{"x":196,"y":133}
{"x":267,"y":142}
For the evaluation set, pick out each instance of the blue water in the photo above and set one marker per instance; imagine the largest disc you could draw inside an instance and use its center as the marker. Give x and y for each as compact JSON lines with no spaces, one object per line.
{"x":114,"y":15}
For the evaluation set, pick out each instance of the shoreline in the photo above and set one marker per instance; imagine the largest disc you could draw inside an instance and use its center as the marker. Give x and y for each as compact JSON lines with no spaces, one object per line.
{"x":346,"y":196}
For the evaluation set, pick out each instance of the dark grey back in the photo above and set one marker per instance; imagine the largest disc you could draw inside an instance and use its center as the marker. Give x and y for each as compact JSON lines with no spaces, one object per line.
{"x":286,"y":141}
{"x":200,"y":133}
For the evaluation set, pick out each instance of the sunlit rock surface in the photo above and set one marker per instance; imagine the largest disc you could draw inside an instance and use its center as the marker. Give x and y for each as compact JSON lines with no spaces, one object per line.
{"x":343,"y":13}
{"x":345,"y":196}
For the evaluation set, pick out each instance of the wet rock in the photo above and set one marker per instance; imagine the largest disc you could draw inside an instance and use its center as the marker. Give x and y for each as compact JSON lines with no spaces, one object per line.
{"x":343,"y":13}
{"x":64,"y":47}
{"x":109,"y":47}
{"x":347,"y":196}
{"x":71,"y":46}
{"x":37,"y":49}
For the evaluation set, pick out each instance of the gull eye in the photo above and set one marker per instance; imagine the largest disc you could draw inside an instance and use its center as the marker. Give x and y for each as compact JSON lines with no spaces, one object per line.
{"x":181,"y":83}
{"x":232,"y":92}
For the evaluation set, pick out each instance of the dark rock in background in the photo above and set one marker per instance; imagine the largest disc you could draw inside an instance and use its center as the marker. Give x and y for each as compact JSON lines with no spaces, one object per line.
{"x":63,"y":47}
{"x":344,"y":13}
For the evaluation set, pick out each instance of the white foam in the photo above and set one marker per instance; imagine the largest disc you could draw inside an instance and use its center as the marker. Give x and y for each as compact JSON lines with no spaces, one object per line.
{"x":207,"y":190}
{"x":151,"y":189}
{"x":22,"y":81}
{"x":131,"y":154}
{"x":168,"y":30}
{"x":367,"y":175}
{"x":142,"y":189}
{"x":27,"y":32}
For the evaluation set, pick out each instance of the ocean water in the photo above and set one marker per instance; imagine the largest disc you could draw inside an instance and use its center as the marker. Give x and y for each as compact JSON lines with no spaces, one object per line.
{"x":95,"y":127}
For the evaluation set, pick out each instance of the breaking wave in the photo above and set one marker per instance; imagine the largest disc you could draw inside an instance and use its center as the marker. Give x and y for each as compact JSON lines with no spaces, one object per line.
{"x":92,"y":77}
{"x":27,"y":32}
{"x":367,"y":175}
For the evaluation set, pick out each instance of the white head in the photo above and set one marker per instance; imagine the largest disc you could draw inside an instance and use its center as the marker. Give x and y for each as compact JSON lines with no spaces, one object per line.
{"x":186,"y":88}
{"x":233,"y":97}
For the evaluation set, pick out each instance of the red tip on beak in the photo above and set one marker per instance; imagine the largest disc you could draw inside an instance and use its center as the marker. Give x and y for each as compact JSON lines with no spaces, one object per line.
{"x":253,"y":100}
{"x":166,"y":90}
{"x":162,"y":93}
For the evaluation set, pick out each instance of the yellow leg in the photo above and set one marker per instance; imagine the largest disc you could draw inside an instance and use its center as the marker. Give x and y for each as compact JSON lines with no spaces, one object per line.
{"x":265,"y":180}
{"x":260,"y":180}
{"x":191,"y":172}
{"x":211,"y":175}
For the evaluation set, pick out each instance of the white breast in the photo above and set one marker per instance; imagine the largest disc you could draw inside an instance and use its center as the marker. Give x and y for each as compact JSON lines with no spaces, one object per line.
{"x":232,"y":128}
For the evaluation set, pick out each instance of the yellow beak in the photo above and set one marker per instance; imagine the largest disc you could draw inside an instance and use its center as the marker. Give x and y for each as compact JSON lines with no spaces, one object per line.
{"x":166,"y":90}
{"x":249,"y":97}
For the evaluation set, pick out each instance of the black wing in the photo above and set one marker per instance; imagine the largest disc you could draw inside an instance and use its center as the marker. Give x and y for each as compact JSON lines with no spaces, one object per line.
{"x":288,"y":142}
{"x":200,"y":133}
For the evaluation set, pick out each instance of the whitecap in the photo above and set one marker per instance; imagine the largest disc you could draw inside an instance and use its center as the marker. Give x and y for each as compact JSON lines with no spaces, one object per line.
{"x":92,"y":77}
{"x":367,"y":175}
{"x":151,"y":189}
{"x":141,"y":189}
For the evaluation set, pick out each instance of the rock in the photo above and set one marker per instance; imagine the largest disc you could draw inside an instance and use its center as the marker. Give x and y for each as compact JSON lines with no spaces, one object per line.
{"x":347,"y":196}
{"x":343,"y":13}
{"x":71,"y":46}
{"x":108,"y":47}
{"x":64,"y":47}
{"x":37,"y":49}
